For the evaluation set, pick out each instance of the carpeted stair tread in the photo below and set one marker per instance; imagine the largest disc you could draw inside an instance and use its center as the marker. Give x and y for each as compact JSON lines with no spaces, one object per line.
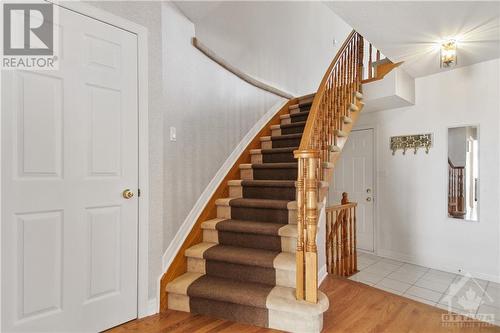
{"x":268,"y":183}
{"x":278,"y":150}
{"x":259,"y":203}
{"x":299,"y":115}
{"x":230,"y":291}
{"x":269,"y":189}
{"x":279,"y":165}
{"x":241,"y":255}
{"x":293,"y":125}
{"x":249,"y":227}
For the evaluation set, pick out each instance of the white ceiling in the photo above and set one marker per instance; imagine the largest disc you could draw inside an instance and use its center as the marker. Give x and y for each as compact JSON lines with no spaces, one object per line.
{"x":411,"y":31}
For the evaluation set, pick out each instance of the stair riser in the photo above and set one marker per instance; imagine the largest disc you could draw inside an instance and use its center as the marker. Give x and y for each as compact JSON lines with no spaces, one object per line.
{"x":293,"y":322}
{"x":301,"y":116}
{"x":259,"y":214}
{"x":257,"y":159}
{"x":301,"y":109}
{"x":278,"y":158}
{"x":274,"y":276}
{"x":274,"y":174}
{"x":274,"y":193}
{"x":275,"y":319}
{"x":287,"y":143}
{"x":230,"y":311}
{"x":287,"y":130}
{"x":265,"y":242}
{"x":287,"y":244}
{"x":273,"y":158}
{"x":242,"y":273}
{"x":294,"y":118}
{"x":289,"y":216}
{"x":279,"y":320}
{"x":261,"y":192}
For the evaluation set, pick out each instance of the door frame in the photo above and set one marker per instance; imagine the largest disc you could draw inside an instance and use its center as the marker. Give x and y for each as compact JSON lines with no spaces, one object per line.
{"x":145,"y":306}
{"x":375,"y":185}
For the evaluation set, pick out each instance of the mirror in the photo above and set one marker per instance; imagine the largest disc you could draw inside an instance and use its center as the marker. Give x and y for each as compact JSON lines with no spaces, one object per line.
{"x":463,"y":172}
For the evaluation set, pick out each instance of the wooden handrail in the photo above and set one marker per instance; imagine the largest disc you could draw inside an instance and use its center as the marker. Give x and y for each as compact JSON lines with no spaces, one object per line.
{"x":330,"y":114}
{"x":313,"y":112}
{"x":341,"y":206}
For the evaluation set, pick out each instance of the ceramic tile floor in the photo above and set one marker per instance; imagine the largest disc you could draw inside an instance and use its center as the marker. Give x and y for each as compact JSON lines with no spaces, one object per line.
{"x":437,"y":288}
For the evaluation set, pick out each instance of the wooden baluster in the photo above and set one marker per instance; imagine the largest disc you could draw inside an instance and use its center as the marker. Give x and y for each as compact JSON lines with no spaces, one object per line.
{"x":328,"y":240}
{"x":351,"y":238}
{"x":337,"y":103}
{"x":370,"y":73}
{"x":355,"y":253}
{"x":361,"y":60}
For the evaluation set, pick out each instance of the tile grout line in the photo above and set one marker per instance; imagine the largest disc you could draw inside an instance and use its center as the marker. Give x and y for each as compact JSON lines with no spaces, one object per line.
{"x":404,"y":293}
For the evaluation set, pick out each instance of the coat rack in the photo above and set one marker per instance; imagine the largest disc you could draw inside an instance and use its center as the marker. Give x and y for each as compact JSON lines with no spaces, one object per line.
{"x":416,"y":141}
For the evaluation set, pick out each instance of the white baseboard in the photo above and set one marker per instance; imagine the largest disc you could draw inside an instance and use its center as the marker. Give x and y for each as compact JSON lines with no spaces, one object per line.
{"x":440,"y":266}
{"x":193,"y":215}
{"x":322,"y":274}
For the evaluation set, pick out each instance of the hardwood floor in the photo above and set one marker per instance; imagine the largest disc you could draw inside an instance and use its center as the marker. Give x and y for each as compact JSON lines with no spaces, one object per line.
{"x":354,"y":308}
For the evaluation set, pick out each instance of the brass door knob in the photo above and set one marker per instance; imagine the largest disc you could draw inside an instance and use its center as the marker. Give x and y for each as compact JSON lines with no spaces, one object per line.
{"x":127,"y":194}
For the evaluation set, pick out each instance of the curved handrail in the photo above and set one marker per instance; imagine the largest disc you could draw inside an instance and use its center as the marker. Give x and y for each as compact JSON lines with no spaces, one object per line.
{"x":313,"y":112}
{"x":322,"y":138}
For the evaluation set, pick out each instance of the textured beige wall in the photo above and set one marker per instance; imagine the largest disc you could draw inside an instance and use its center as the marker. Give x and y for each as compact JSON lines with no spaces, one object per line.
{"x":211,"y":109}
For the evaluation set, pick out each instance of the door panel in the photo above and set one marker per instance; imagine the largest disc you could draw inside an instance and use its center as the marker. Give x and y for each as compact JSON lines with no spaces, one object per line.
{"x":69,"y":149}
{"x":354,"y":174}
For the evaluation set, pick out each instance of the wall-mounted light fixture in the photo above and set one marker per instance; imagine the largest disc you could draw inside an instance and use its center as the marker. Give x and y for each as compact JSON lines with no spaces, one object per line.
{"x":448,"y":53}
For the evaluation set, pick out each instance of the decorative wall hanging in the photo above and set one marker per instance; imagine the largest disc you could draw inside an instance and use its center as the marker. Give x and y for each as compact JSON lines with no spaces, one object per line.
{"x":414,"y":142}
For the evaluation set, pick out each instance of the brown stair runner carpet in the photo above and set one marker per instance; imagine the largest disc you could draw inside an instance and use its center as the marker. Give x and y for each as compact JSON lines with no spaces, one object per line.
{"x":240,"y":270}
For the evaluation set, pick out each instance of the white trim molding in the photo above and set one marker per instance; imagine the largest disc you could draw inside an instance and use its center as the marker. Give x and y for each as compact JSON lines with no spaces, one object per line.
{"x":441,"y":266}
{"x":143,"y":303}
{"x":195,"y":212}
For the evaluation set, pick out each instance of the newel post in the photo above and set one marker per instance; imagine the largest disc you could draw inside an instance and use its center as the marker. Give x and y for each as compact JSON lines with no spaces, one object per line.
{"x":307,"y":219}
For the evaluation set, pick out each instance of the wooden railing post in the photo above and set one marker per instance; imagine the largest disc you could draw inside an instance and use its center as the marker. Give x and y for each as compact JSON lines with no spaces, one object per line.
{"x":311,"y":205}
{"x":307,"y":219}
{"x":299,"y":253}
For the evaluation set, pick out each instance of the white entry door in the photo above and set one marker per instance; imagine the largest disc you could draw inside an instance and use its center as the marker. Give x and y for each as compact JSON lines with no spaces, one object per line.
{"x":354,"y":174}
{"x":69,"y":149}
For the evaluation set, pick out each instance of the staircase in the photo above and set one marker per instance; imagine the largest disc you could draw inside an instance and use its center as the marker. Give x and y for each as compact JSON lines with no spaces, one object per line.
{"x":244,"y":270}
{"x":252,"y":256}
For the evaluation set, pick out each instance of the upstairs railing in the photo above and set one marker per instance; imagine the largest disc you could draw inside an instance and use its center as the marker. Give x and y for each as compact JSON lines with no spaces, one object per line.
{"x":456,"y":189}
{"x":331,"y":109}
{"x":341,"y":253}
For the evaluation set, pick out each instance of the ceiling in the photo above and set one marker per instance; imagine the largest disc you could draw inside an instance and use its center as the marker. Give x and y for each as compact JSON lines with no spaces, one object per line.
{"x":411,"y":31}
